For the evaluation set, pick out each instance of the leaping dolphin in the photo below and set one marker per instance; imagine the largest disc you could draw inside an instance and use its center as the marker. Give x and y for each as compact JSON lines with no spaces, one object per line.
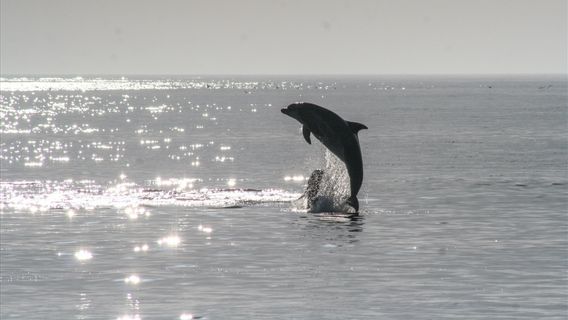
{"x":338,"y":135}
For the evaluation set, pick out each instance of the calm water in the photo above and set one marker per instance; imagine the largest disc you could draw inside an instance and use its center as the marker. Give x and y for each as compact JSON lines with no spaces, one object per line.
{"x":159,"y":198}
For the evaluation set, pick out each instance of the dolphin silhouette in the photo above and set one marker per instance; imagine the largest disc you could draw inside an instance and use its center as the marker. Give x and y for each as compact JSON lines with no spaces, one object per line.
{"x":338,"y":135}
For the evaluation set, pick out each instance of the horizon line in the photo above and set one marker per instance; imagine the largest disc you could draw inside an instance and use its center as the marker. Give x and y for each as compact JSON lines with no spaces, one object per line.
{"x":556,"y":74}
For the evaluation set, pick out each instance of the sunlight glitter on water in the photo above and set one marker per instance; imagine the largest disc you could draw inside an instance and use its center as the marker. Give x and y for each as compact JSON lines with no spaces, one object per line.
{"x":170,"y":241}
{"x":296,"y":178}
{"x":204,"y":229}
{"x":375,"y":264}
{"x":132,"y":279}
{"x":83,"y":255}
{"x":93,"y":84}
{"x":142,"y":248}
{"x":231,"y":182}
{"x":70,"y":213}
{"x":178,"y":183}
{"x":129,"y":317}
{"x":133,"y":212}
{"x":40,"y":196}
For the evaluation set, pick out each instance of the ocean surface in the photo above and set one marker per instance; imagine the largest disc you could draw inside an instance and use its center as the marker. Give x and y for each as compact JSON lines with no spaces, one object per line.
{"x":174,"y":198}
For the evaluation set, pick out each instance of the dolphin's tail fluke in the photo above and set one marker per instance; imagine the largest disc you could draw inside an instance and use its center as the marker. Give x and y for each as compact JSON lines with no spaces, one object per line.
{"x":353,"y":202}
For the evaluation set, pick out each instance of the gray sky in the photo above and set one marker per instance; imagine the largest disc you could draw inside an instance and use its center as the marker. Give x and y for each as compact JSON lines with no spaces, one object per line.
{"x":283,"y":37}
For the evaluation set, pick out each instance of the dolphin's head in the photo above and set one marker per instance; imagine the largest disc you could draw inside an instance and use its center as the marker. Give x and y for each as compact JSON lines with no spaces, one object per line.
{"x":295,"y":110}
{"x":292,"y":110}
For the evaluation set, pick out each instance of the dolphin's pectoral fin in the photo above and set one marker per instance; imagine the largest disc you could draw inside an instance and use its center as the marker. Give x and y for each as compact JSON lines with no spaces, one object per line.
{"x":306,"y":133}
{"x":356,"y":126}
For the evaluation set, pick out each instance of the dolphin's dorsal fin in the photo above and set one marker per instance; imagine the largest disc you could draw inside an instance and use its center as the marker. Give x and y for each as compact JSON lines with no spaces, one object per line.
{"x":306,"y":133}
{"x":356,"y":126}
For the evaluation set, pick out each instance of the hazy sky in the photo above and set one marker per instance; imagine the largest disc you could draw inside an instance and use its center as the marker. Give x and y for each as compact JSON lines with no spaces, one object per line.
{"x":283,"y":37}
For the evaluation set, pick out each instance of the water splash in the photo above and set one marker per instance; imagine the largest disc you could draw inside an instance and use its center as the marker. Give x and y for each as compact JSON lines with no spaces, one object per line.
{"x":335,"y":182}
{"x":333,"y":188}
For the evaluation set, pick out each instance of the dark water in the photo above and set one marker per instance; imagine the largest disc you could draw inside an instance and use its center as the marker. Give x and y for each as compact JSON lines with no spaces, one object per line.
{"x":114,"y":196}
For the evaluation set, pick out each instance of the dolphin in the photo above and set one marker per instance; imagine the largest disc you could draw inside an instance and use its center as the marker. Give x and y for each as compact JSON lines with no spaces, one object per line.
{"x":338,"y":135}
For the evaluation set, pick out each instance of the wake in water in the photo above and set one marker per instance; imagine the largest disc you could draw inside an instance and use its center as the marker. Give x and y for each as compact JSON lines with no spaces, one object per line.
{"x":326,"y":191}
{"x":327,"y":194}
{"x":34,"y":196}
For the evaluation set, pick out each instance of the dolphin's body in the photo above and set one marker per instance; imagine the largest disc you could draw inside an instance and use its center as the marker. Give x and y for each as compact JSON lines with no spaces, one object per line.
{"x":338,"y":135}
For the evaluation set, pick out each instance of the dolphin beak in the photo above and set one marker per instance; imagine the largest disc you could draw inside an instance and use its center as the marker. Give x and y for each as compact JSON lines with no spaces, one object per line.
{"x":285,"y":111}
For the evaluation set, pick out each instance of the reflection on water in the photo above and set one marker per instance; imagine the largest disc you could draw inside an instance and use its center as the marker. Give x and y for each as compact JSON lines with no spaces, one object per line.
{"x":171,"y":199}
{"x":83,"y":306}
{"x":142,"y":248}
{"x":170,"y":241}
{"x":25,"y":84}
{"x":186,"y":316}
{"x":350,"y":222}
{"x":129,"y":317}
{"x":133,"y":279}
{"x":133,"y":200}
{"x":205,"y":229}
{"x":83,"y":255}
{"x":338,"y":229}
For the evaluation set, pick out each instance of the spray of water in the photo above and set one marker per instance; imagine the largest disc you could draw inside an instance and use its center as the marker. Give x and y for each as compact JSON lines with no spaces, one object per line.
{"x":333,"y":188}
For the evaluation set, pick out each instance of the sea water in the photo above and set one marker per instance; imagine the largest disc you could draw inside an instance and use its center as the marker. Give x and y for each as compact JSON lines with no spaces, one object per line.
{"x":174,"y":198}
